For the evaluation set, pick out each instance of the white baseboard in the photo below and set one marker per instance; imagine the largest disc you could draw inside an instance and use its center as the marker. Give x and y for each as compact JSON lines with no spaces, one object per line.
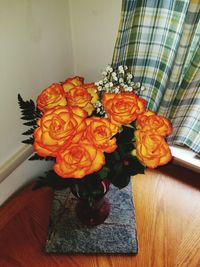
{"x":19,"y":171}
{"x":13,"y":162}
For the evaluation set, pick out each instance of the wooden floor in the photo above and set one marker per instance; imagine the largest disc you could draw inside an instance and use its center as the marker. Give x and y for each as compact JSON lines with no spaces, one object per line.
{"x":167,"y":203}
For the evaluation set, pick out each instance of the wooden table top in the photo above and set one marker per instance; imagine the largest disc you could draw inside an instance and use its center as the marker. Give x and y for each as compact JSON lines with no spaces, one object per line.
{"x":167,"y":203}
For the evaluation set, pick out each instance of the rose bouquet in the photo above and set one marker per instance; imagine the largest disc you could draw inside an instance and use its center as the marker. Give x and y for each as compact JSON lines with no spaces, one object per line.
{"x":95,"y":131}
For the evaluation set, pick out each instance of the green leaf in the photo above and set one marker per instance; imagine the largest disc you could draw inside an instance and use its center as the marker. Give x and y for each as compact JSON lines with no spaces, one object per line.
{"x":30,"y":123}
{"x":29,"y":131}
{"x":132,"y":165}
{"x":118,"y":176}
{"x":27,"y":117}
{"x":51,"y":179}
{"x":37,"y":157}
{"x":25,"y":104}
{"x":112,"y":158}
{"x":126,"y":135}
{"x":28,"y":141}
{"x":129,"y":126}
{"x":29,"y":111}
{"x":103,"y":173}
{"x":125,"y":148}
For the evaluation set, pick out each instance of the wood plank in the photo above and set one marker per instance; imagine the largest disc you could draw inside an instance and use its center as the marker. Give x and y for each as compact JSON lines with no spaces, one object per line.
{"x":14,"y":205}
{"x":167,"y":203}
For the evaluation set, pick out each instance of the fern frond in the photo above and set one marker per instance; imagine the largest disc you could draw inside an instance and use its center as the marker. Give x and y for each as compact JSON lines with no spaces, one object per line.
{"x":28,"y":141}
{"x":28,"y":109}
{"x":29,"y":131}
{"x":30,"y":123}
{"x":37,"y":157}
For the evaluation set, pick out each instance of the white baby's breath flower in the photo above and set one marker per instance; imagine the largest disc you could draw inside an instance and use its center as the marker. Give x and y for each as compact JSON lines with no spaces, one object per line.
{"x":121,"y":80}
{"x":107,"y":85}
{"x":126,"y":88}
{"x":98,"y":104}
{"x":120,"y":68}
{"x":129,"y":76}
{"x":142,"y":88}
{"x":129,"y":89}
{"x":116,"y":80}
{"x":96,"y":83}
{"x":138,"y":84}
{"x":109,"y":69}
{"x":114,"y":74}
{"x":111,"y":84}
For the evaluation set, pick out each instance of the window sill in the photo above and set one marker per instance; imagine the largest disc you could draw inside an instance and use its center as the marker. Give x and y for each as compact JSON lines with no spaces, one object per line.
{"x":186,"y":158}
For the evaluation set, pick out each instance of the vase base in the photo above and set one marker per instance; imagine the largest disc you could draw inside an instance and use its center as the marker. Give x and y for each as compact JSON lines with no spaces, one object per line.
{"x":92,"y":217}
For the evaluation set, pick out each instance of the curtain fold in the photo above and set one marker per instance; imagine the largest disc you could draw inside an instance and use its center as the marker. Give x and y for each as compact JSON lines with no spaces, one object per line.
{"x":159,"y":41}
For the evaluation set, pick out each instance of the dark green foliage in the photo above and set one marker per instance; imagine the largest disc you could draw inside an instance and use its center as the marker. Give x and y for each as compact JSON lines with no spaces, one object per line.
{"x":30,"y":114}
{"x":30,"y":123}
{"x":28,"y":141}
{"x":89,"y":185}
{"x":37,"y":157}
{"x":119,"y":177}
{"x":51,"y":179}
{"x":29,"y":131}
{"x":132,"y":165}
{"x":122,"y":163}
{"x":103,"y":173}
{"x":126,"y":135}
{"x":121,"y":170}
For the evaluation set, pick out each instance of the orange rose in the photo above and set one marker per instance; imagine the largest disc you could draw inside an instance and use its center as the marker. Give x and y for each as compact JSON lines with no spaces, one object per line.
{"x":81,"y":97}
{"x":57,"y":127}
{"x":151,"y":149}
{"x":72,"y":82}
{"x":150,"y":121}
{"x":92,"y":90}
{"x":78,"y":160}
{"x":99,"y":132}
{"x":51,"y":97}
{"x":123,"y":108}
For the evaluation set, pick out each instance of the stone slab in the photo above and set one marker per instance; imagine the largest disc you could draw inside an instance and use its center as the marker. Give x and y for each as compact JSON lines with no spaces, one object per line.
{"x":117,"y":235}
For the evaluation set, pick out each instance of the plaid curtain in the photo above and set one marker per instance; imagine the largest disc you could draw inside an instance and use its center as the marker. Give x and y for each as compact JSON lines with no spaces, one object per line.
{"x":159,"y":40}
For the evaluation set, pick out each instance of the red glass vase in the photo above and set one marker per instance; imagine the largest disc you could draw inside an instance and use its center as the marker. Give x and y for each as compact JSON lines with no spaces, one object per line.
{"x":92,"y":209}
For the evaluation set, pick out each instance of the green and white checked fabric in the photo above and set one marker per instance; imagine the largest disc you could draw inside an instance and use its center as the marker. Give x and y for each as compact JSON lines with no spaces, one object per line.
{"x":159,"y":40}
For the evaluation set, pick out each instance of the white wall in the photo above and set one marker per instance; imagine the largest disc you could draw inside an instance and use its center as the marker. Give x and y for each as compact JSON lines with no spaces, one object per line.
{"x":35,"y":50}
{"x":94,"y":31}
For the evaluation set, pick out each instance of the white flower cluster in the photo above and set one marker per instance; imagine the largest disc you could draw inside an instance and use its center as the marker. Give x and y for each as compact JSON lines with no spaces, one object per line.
{"x":100,"y":110}
{"x":116,"y":81}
